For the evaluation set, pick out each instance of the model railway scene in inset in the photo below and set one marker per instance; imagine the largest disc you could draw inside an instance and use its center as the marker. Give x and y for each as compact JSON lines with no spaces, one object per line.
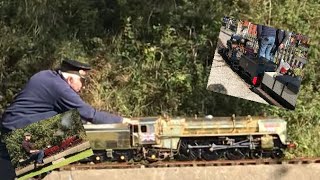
{"x":47,"y":145}
{"x":52,"y":154}
{"x":277,"y":77}
{"x":68,"y":156}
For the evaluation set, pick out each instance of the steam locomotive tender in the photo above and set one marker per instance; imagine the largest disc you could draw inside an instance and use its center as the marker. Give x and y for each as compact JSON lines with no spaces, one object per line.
{"x":157,"y":138}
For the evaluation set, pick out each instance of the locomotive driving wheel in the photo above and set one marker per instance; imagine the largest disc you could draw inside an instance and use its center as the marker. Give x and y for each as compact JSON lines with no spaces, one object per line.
{"x":277,"y":154}
{"x":234,"y":154}
{"x":183,"y":149}
{"x":187,"y":154}
{"x":137,"y":157}
{"x":193,"y":154}
{"x":152,"y":155}
{"x":255,"y":154}
{"x":209,"y":156}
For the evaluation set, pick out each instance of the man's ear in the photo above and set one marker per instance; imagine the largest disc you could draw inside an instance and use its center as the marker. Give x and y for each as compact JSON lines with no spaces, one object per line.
{"x":69,"y":80}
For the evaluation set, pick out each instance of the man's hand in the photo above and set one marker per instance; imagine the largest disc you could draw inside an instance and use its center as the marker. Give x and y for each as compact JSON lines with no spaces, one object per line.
{"x":34,"y":151}
{"x":126,"y":121}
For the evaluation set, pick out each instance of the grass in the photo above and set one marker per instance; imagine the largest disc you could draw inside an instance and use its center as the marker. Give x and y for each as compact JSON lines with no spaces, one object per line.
{"x":307,"y":141}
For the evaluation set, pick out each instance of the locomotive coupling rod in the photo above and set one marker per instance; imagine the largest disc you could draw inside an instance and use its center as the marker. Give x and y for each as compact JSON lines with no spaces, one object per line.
{"x":218,"y":146}
{"x":200,"y":146}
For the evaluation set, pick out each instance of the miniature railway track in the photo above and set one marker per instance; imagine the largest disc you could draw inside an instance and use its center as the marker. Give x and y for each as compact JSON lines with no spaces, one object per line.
{"x":266,"y":96}
{"x":189,"y":164}
{"x":220,"y":44}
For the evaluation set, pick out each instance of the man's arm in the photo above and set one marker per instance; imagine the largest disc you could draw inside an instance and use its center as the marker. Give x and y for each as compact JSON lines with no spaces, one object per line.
{"x":71,"y":100}
{"x":27,"y":146}
{"x":286,"y":37}
{"x":34,"y":151}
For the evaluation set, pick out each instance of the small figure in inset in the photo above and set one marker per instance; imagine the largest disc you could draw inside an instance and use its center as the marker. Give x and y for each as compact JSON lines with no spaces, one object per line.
{"x":33,"y":154}
{"x":282,"y":37}
{"x":266,"y":38}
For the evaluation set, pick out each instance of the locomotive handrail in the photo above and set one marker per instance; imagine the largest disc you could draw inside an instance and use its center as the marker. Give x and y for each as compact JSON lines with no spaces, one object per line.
{"x":233,"y":118}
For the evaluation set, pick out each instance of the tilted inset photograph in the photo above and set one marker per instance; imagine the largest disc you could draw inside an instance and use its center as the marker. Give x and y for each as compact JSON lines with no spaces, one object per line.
{"x":259,"y":63}
{"x":49,"y":144}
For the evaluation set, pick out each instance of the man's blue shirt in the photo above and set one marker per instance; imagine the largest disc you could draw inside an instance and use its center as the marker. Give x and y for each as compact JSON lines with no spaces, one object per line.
{"x":48,"y":94}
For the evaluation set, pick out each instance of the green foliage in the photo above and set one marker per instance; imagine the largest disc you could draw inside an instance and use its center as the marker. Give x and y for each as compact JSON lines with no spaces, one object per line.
{"x":306,"y":140}
{"x":151,"y":56}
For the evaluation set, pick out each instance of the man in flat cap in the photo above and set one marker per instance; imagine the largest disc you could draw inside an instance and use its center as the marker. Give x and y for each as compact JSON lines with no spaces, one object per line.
{"x":46,"y":94}
{"x":51,"y":92}
{"x":33,"y":154}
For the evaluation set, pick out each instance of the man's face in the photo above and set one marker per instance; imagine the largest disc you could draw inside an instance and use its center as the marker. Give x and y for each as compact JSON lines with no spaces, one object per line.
{"x":28,"y":137}
{"x":77,"y":81}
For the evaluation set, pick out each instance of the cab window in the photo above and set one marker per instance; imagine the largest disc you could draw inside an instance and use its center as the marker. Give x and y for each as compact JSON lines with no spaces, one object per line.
{"x":143,"y":128}
{"x":135,"y":128}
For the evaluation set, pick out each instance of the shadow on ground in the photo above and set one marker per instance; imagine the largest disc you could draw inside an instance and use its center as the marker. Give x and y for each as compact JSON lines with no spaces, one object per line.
{"x":219,"y":88}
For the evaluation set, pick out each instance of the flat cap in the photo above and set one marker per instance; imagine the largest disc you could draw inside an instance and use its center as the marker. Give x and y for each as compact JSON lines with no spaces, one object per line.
{"x":27,"y":134}
{"x":73,"y":65}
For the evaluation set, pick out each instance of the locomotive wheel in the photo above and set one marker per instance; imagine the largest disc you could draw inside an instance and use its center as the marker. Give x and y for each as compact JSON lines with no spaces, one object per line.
{"x":152,"y":155}
{"x":99,"y":158}
{"x":221,"y":50}
{"x":183,"y":147}
{"x":137,"y":157}
{"x":277,"y":154}
{"x":193,"y":155}
{"x":181,"y":157}
{"x":183,"y":150}
{"x":209,"y":156}
{"x":241,"y":71}
{"x":190,"y":156}
{"x":235,"y":66}
{"x":255,"y":154}
{"x":229,"y":54}
{"x":234,"y":154}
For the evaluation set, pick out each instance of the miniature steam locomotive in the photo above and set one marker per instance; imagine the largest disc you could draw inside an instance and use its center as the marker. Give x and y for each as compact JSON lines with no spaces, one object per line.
{"x":240,"y":55}
{"x":234,"y":51}
{"x":158,"y":138}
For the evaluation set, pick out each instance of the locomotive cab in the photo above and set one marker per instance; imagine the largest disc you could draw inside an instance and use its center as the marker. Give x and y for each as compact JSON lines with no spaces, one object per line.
{"x":143,"y":131}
